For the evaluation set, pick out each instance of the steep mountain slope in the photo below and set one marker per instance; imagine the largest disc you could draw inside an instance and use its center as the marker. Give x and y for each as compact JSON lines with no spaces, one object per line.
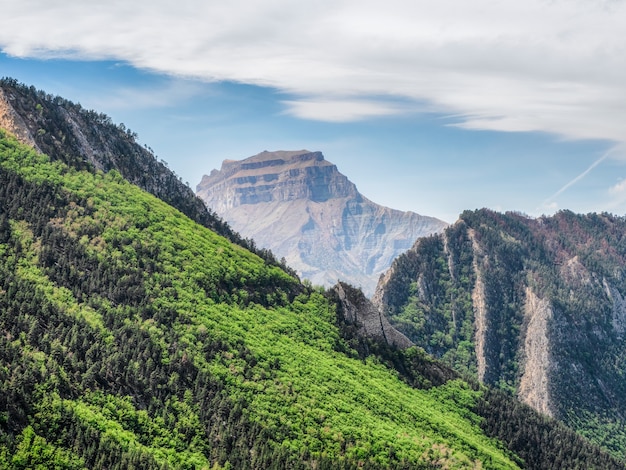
{"x":89,"y":140}
{"x":532,"y":305}
{"x":133,"y":335}
{"x":299,"y":206}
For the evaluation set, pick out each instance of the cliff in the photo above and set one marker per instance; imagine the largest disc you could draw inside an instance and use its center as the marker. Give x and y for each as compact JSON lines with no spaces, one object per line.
{"x":298,"y":205}
{"x":534,"y":306}
{"x":360,"y":312}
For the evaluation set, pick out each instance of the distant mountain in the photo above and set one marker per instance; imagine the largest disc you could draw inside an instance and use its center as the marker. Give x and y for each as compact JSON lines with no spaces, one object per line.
{"x":298,"y":205}
{"x":535,"y":306}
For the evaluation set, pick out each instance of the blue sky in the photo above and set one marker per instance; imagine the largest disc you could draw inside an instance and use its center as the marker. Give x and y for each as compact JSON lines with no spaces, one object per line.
{"x":435,"y":107}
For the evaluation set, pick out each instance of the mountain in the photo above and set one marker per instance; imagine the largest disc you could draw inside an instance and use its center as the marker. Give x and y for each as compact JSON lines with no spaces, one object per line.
{"x":132,"y":336}
{"x":534,"y":306}
{"x":86,"y":139}
{"x":298,"y":205}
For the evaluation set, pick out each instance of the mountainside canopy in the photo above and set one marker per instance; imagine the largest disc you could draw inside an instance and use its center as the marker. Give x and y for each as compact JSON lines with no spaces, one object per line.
{"x":534,"y":306}
{"x":133,"y":335}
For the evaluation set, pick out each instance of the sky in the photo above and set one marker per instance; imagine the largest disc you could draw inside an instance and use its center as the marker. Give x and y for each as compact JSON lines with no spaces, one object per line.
{"x":434,"y":106}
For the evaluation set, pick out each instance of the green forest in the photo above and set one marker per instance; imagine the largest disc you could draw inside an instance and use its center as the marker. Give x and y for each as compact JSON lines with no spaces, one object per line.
{"x":134,"y":337}
{"x":574,"y":262}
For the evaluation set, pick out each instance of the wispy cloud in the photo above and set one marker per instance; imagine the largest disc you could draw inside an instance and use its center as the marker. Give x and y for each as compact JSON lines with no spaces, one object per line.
{"x":162,"y":95}
{"x":575,"y":180}
{"x":618,"y":189}
{"x":511,"y":66}
{"x":616,"y":152}
{"x":341,"y":110}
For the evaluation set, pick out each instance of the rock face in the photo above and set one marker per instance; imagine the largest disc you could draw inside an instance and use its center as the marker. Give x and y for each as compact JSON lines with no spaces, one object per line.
{"x":13,"y":122}
{"x":533,"y":305}
{"x":365,"y":316}
{"x":299,"y":205}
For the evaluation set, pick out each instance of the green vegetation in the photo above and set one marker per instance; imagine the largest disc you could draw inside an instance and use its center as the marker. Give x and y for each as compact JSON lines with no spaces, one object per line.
{"x":436,"y":310}
{"x":132,"y":336}
{"x":88,"y":140}
{"x":576,"y":263}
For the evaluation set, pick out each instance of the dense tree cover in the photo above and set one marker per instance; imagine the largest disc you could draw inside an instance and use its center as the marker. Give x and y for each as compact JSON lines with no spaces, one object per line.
{"x":539,"y":441}
{"x":577,"y":263}
{"x":86,"y":139}
{"x":132,"y":337}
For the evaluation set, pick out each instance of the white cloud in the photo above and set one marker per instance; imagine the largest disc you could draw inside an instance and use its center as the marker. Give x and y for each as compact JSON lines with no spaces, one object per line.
{"x":340,"y":110}
{"x":617,"y":194}
{"x":551,"y":207}
{"x":555,"y":66}
{"x":619,"y":188}
{"x":147,"y":97}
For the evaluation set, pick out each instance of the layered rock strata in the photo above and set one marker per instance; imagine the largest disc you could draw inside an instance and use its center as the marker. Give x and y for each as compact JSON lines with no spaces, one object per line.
{"x":298,"y":205}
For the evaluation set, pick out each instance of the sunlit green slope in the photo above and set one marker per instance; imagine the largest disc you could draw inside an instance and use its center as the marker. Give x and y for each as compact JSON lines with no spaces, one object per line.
{"x":131,"y":336}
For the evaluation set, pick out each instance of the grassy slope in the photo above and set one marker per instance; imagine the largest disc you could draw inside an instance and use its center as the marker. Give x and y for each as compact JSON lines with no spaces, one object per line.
{"x":278,"y":357}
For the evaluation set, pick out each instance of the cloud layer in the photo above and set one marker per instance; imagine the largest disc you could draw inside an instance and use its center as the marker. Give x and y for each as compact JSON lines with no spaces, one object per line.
{"x":556,"y":66}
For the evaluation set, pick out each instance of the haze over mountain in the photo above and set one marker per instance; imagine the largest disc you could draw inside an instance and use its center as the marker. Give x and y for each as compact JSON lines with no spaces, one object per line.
{"x":298,"y":205}
{"x":535,"y":306}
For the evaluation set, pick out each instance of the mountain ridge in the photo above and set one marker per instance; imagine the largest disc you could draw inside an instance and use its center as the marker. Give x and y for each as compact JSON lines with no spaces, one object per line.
{"x":87,"y":139}
{"x":534,"y":306}
{"x":298,"y":205}
{"x":135,"y":337}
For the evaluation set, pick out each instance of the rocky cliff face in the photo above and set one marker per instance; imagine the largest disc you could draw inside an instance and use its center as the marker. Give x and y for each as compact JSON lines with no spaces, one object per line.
{"x":532,"y":305}
{"x":302,"y":208}
{"x":13,"y":122}
{"x":358,"y":311}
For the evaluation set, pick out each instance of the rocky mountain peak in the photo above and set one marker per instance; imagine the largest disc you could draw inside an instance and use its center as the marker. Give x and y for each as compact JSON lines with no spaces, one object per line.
{"x":274,"y":177}
{"x":298,"y":205}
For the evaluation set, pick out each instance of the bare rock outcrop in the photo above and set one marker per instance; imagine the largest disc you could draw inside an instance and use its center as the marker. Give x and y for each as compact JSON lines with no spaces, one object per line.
{"x":371,"y":323}
{"x":534,"y":387}
{"x":13,"y":122}
{"x":618,"y":302}
{"x":480,"y":311}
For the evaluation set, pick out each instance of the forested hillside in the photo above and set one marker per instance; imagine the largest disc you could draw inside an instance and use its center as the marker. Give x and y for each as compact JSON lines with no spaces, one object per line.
{"x":86,"y":139}
{"x":532,"y":306}
{"x":133,"y":337}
